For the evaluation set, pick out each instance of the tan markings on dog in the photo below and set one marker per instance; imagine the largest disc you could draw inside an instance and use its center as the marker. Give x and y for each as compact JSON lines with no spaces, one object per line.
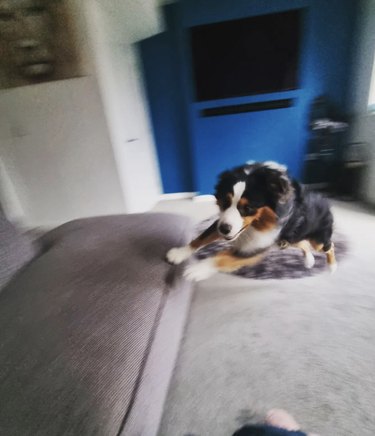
{"x":265,"y":219}
{"x":248,"y":220}
{"x":306,"y":247}
{"x":303,"y":245}
{"x":243,"y":202}
{"x":201,"y":242}
{"x":227,"y":261}
{"x":316,"y":245}
{"x":330,"y":254}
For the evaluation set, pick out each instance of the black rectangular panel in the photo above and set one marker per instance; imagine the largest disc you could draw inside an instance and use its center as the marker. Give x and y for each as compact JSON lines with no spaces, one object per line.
{"x":248,"y":56}
{"x":248,"y":107}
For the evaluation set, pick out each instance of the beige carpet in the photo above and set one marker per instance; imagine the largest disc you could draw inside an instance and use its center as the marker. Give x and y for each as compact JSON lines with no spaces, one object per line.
{"x":306,"y":345}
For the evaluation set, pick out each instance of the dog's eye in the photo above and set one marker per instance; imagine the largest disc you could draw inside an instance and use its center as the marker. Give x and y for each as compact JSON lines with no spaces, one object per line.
{"x":247,"y":210}
{"x":223,"y":203}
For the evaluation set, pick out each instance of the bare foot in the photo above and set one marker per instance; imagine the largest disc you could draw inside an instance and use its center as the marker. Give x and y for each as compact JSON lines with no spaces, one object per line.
{"x":282,"y":419}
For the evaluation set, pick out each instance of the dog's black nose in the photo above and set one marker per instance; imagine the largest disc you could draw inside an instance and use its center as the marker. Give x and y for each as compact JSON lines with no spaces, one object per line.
{"x":225,"y":228}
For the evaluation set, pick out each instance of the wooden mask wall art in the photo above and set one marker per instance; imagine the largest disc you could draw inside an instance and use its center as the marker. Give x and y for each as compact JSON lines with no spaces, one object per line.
{"x":37,"y":42}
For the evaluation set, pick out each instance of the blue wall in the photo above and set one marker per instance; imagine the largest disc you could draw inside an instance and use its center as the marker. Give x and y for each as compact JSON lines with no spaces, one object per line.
{"x":163,"y":85}
{"x":194,"y":149}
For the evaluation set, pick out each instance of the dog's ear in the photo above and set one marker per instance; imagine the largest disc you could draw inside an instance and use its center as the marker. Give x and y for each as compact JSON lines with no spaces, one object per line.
{"x":222,"y":181}
{"x":225,"y":183}
{"x":280,"y":185}
{"x":224,"y":175}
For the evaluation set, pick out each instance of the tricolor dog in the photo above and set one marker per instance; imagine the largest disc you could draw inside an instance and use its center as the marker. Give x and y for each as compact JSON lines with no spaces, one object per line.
{"x":260,"y":206}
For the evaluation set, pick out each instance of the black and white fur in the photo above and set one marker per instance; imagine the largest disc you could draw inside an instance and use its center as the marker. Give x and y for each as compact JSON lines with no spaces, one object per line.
{"x":260,"y":206}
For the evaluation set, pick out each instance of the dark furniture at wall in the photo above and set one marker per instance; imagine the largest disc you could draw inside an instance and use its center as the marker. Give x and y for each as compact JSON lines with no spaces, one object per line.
{"x":325,"y":147}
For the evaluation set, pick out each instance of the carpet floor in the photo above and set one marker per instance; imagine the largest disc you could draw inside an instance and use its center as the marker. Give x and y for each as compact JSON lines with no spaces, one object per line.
{"x":306,"y":345}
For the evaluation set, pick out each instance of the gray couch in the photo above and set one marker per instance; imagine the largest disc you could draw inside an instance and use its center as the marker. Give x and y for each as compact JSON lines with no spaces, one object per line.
{"x":90,"y":323}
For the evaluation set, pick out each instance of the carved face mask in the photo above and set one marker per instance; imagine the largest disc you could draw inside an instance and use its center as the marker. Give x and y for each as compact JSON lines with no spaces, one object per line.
{"x":26,"y":33}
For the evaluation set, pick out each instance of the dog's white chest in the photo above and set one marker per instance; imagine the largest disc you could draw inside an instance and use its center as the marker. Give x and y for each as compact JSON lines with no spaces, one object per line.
{"x":252,"y":240}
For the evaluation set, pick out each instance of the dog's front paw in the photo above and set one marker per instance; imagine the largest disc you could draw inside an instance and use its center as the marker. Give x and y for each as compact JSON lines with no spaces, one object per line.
{"x":309,"y":260}
{"x":179,"y":254}
{"x":332,"y":267}
{"x":200,"y":271}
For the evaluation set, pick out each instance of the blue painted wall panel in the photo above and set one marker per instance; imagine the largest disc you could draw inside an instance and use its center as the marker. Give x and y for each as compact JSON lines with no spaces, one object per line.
{"x":231,"y":140}
{"x":163,"y":87}
{"x":209,"y":145}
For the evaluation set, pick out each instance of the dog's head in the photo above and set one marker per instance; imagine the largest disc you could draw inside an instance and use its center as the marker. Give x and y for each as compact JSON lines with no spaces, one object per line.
{"x":251,"y":195}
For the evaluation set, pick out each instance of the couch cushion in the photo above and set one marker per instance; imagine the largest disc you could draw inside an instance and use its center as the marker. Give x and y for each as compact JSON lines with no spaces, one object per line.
{"x":16,"y":250}
{"x":76,"y":323}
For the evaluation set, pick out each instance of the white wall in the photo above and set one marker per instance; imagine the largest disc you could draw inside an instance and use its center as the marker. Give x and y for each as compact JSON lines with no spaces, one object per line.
{"x":57,"y":152}
{"x":58,"y":161}
{"x":114,"y":27}
{"x":363,"y":127}
{"x":10,"y":201}
{"x":67,"y":147}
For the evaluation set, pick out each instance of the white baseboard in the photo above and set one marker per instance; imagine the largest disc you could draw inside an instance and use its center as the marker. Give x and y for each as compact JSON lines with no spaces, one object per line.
{"x":207,"y":198}
{"x":177,"y":196}
{"x":194,"y":196}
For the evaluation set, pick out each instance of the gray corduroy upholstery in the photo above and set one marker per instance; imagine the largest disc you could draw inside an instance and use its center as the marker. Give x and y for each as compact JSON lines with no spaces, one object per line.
{"x":90,"y":329}
{"x":16,"y":250}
